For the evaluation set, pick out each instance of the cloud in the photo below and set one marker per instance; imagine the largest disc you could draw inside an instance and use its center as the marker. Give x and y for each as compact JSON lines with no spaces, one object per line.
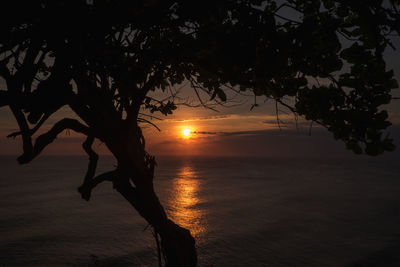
{"x":207,"y":133}
{"x":268,"y":132}
{"x":207,"y":118}
{"x":256,"y":132}
{"x":253,"y":143}
{"x":316,"y":130}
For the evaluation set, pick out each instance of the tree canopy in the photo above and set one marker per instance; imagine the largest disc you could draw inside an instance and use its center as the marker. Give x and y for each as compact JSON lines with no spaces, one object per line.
{"x":327,"y":56}
{"x":323,"y":60}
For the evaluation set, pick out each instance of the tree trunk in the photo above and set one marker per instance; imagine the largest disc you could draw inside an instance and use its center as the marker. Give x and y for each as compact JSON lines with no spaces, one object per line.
{"x":177,"y":243}
{"x":135,"y":184}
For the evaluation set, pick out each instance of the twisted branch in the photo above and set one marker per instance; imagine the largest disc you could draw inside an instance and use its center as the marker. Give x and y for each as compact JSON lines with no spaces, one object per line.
{"x":89,"y":182}
{"x":93,"y":158}
{"x":86,"y":188}
{"x":33,"y":130}
{"x":45,"y":139}
{"x":23,"y":126}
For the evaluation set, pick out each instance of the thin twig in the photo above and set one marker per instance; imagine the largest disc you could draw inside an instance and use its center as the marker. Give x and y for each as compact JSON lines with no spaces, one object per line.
{"x":277,"y":115}
{"x":149,"y":122}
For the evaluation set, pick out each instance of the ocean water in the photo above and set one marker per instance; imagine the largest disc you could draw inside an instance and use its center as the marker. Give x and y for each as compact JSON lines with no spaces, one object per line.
{"x":242,"y":212}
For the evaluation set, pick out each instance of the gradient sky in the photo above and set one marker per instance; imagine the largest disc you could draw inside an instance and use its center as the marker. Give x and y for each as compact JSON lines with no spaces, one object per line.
{"x":232,"y":131}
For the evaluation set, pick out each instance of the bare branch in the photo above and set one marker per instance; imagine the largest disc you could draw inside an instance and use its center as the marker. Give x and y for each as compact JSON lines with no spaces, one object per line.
{"x":292,"y":109}
{"x":149,"y":122}
{"x":93,"y":158}
{"x":24,"y":128}
{"x":34,"y":129}
{"x":277,"y":115}
{"x":86,"y":188}
{"x":237,"y":91}
{"x":150,"y":116}
{"x":195,"y":87}
{"x":45,"y":139}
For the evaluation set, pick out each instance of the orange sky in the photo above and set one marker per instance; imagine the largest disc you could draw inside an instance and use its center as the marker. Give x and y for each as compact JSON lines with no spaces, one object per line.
{"x":207,"y":131}
{"x":206,"y":126}
{"x":232,"y":131}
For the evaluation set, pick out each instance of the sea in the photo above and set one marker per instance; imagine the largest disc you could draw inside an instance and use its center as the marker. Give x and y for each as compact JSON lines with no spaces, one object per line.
{"x":242,"y":211}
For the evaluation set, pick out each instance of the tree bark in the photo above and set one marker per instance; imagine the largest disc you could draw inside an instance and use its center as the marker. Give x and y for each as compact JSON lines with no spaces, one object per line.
{"x":134,"y":181}
{"x":177,"y":243}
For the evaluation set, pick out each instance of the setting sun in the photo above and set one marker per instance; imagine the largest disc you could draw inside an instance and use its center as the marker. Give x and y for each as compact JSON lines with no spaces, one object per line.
{"x":186,"y":132}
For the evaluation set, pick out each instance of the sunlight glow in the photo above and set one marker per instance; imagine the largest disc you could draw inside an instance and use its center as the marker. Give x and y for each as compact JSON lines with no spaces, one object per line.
{"x":186,"y":132}
{"x":183,"y":202}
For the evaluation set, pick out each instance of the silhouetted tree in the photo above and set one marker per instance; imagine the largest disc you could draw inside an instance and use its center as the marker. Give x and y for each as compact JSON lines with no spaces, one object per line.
{"x":320,"y":59}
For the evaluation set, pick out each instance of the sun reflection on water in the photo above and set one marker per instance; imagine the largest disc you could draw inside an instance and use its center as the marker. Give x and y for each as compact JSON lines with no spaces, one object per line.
{"x":184,"y":199}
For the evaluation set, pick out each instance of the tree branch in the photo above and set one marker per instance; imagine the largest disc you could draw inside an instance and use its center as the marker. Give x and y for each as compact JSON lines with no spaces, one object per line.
{"x":4,"y":98}
{"x":45,"y":139}
{"x":34,"y":129}
{"x":24,"y":128}
{"x":93,"y":158}
{"x":293,"y":109}
{"x":86,"y":188}
{"x":149,"y":122}
{"x":89,"y":182}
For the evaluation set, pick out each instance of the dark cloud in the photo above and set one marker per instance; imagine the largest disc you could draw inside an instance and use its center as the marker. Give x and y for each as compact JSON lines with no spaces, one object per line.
{"x":257,"y":132}
{"x":204,"y":118}
{"x":269,"y":143}
{"x":277,"y":131}
{"x":208,"y":133}
{"x":286,"y":122}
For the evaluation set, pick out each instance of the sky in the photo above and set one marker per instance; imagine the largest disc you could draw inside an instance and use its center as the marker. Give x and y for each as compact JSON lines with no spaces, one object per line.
{"x":239,"y":131}
{"x":230,"y":131}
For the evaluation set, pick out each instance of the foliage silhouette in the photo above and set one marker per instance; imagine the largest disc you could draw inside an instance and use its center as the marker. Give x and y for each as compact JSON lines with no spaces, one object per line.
{"x":320,"y":59}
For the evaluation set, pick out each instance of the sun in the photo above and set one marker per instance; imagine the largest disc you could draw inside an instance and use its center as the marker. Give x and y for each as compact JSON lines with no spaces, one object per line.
{"x":186,"y":132}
